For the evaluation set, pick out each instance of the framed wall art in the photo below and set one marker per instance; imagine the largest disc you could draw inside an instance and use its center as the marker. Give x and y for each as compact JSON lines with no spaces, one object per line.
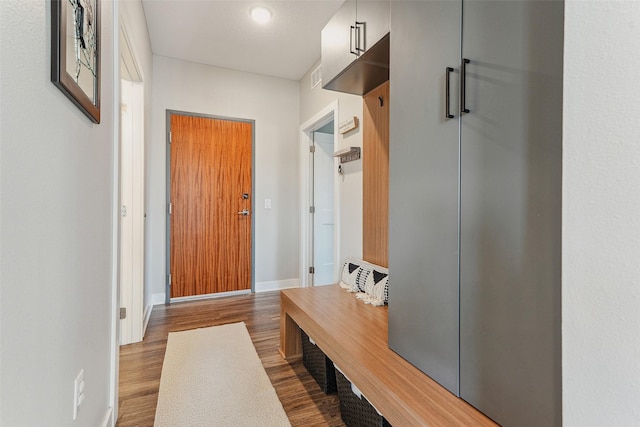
{"x":75,"y":53}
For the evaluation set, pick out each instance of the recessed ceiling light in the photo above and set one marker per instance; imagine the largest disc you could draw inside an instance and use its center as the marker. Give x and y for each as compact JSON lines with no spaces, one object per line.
{"x":261,"y":14}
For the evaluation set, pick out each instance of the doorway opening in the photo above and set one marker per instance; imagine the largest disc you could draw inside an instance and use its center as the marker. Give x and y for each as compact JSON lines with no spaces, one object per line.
{"x":320,"y":227}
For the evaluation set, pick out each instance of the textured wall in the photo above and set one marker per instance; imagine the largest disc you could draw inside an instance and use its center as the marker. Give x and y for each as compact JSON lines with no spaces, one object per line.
{"x":601,"y":224}
{"x":56,"y":234}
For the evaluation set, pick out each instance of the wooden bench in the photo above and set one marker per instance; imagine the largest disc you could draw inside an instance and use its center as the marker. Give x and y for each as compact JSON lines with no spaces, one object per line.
{"x":354,"y":336}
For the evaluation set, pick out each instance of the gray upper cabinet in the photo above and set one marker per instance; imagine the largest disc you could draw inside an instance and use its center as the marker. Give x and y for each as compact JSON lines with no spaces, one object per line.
{"x":338,"y":42}
{"x":475,"y":181}
{"x":372,"y":21}
{"x":355,"y":47}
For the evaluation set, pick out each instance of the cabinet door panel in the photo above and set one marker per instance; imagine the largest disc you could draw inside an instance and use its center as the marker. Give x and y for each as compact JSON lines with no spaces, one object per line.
{"x":511,"y":158}
{"x":337,"y":42}
{"x":375,"y":16}
{"x":423,"y":205}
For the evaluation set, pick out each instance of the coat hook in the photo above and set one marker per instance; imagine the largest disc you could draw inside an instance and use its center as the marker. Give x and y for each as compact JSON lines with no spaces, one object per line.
{"x":381,"y":101}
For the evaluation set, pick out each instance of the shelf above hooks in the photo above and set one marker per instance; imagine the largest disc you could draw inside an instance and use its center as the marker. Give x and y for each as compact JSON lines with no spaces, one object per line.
{"x":348,"y":154}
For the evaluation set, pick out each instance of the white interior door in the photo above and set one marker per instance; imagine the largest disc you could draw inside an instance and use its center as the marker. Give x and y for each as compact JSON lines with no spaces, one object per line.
{"x":131,"y":211}
{"x":324,"y":122}
{"x":323,"y":202}
{"x":131,"y":261}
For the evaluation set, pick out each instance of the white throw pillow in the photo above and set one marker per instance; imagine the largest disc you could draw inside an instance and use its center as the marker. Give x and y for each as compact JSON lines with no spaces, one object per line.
{"x":363,"y":274}
{"x":350,"y":272}
{"x":377,"y":287}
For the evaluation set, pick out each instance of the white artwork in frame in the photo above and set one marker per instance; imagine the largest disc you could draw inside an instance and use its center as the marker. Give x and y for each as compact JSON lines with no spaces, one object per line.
{"x":75,"y":53}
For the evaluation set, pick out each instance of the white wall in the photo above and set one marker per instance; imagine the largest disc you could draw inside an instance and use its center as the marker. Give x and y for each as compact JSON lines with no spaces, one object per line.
{"x":56,"y":230}
{"x":274,"y":105}
{"x":601,"y":220}
{"x":133,"y":19}
{"x":311,"y":102}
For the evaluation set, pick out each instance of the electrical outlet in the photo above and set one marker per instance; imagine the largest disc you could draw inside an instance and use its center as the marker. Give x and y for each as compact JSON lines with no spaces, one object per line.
{"x":78,"y":393}
{"x":267,"y":203}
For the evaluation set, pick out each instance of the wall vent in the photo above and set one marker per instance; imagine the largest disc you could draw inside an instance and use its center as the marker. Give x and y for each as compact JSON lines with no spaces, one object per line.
{"x":316,"y":77}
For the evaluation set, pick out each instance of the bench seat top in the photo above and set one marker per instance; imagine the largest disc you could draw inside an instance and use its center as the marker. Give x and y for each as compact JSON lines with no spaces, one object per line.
{"x":354,"y":336}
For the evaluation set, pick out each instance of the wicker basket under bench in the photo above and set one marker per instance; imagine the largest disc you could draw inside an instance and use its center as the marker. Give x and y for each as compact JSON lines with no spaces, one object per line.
{"x":354,"y":336}
{"x":318,"y":364}
{"x":355,"y":409}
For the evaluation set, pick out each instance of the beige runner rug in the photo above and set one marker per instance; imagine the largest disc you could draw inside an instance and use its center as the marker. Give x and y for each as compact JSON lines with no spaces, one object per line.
{"x":214,"y":377}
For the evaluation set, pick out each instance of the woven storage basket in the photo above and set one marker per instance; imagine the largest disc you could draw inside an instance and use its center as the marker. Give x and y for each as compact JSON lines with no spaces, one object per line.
{"x":318,"y":364}
{"x":356,"y":411}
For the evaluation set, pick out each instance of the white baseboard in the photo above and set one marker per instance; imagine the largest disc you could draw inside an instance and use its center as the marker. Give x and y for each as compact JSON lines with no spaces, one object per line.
{"x":147,"y":316}
{"x":108,"y":420}
{"x":277,"y":285}
{"x":156,"y":299}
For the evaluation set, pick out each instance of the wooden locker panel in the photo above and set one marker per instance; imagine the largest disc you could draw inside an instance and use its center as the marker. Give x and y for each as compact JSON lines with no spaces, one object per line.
{"x":375,"y":176}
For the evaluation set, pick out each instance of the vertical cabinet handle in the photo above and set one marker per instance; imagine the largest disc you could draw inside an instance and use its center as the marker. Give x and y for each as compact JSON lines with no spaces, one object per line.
{"x":463,"y":86}
{"x":359,"y":41}
{"x":447,"y":102}
{"x":351,"y":31}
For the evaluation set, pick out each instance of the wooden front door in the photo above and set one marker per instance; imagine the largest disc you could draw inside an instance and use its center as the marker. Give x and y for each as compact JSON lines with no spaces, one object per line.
{"x":210,"y":183}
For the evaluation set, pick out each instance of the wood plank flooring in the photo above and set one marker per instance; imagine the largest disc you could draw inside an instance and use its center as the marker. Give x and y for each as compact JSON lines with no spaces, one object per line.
{"x":141,"y":363}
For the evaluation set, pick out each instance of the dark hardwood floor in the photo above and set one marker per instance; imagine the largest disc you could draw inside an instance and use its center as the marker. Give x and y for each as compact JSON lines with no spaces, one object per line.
{"x":141,"y":363}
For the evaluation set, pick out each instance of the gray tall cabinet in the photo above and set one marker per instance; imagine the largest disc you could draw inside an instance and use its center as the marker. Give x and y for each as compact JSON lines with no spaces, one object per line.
{"x":475,"y":201}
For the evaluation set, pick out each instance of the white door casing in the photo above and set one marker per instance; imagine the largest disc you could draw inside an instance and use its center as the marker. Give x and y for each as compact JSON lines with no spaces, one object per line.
{"x":131,"y":171}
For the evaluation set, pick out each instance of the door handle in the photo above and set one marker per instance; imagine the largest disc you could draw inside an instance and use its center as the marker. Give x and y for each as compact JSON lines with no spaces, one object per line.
{"x":244,"y":212}
{"x":447,"y":104}
{"x":351,"y":31}
{"x":463,"y":86}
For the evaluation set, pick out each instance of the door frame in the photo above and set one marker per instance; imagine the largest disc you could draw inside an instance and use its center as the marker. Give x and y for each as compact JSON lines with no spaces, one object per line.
{"x":321,"y":118}
{"x":168,"y":115}
{"x":131,"y":293}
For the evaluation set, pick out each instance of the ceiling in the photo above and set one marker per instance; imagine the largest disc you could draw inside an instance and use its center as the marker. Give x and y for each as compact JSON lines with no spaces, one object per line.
{"x":222,"y":33}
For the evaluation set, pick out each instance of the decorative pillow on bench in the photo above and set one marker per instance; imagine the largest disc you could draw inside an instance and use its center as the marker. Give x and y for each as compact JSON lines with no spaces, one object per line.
{"x":376,"y":288}
{"x":370,"y":281}
{"x":354,"y":274}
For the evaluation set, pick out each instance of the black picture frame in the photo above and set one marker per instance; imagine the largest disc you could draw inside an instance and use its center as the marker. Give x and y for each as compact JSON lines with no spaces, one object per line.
{"x":75,"y":43}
